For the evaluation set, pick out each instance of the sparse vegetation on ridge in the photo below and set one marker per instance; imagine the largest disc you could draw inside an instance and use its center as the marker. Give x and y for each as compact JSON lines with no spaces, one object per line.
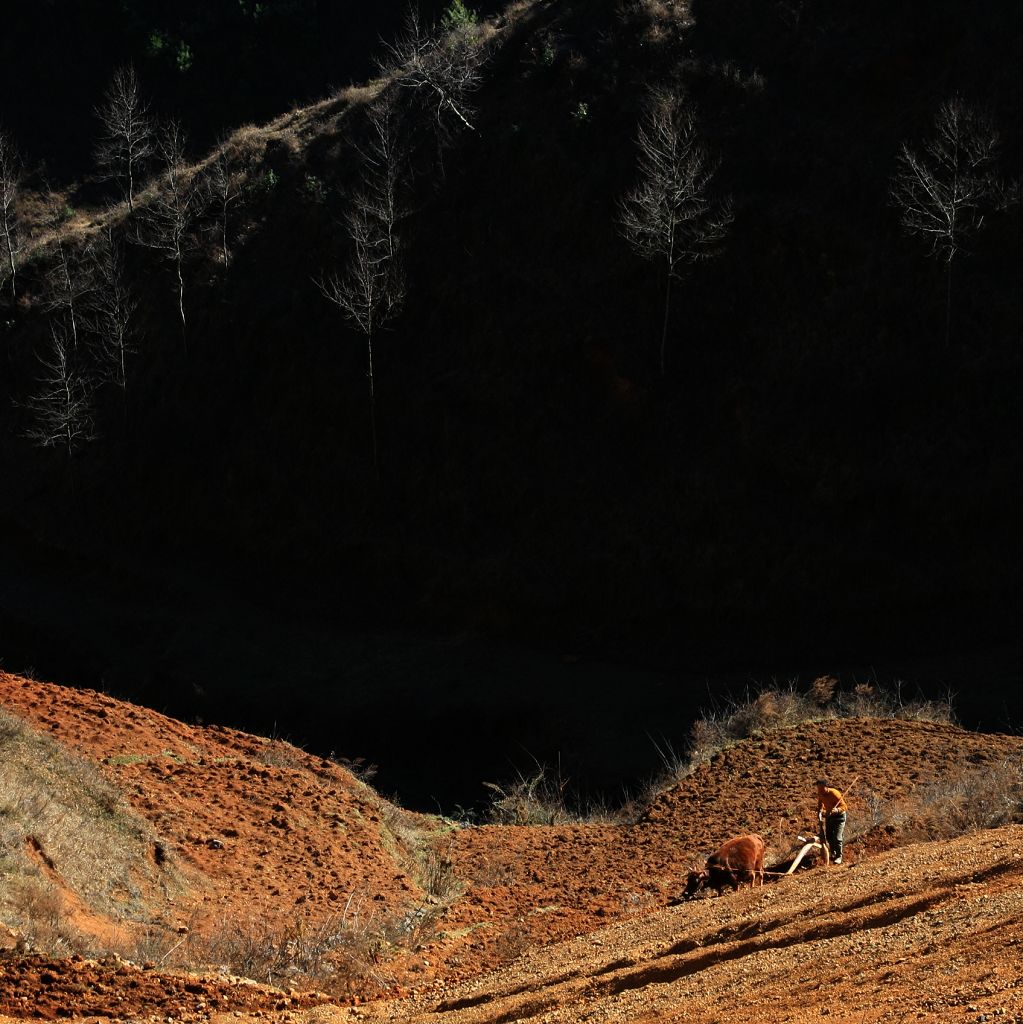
{"x":776,"y":707}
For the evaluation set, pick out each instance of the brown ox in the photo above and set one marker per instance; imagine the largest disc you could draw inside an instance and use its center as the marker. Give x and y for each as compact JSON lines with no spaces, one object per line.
{"x":739,"y":860}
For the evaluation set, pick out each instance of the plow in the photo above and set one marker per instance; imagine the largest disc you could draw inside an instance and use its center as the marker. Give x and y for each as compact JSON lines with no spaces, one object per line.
{"x":803,"y":846}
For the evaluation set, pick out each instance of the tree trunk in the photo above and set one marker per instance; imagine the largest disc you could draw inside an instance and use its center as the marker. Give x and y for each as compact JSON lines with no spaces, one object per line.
{"x":10,"y":257}
{"x":373,"y":407}
{"x":181,"y":305}
{"x":664,"y":326}
{"x":70,"y":295}
{"x":948,"y":305}
{"x":670,"y":264}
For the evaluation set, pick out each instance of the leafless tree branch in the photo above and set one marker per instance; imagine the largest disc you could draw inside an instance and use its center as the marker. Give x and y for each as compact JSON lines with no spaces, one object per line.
{"x":170,"y":215}
{"x":62,"y":407}
{"x":383,"y":194}
{"x":945,"y":191}
{"x":669,"y":216}
{"x":442,"y":67}
{"x":370,"y":291}
{"x":113,"y":307}
{"x":11,"y":173}
{"x":68,"y":287}
{"x":127,"y":139}
{"x":222,"y":185}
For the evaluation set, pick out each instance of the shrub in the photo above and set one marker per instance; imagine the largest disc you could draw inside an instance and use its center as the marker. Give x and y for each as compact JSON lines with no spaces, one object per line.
{"x":457,"y":16}
{"x":771,"y":708}
{"x":183,"y":57}
{"x":542,"y":798}
{"x":38,"y":912}
{"x":314,"y":188}
{"x":537,"y":799}
{"x":867,"y":701}
{"x":965,"y":799}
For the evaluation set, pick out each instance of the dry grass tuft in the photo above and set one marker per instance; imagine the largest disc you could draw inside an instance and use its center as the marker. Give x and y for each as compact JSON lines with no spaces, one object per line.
{"x":661,"y":20}
{"x":424,"y":852}
{"x":822,"y":690}
{"x":340,"y":955}
{"x":66,"y":841}
{"x":541,"y":798}
{"x":537,"y":799}
{"x":278,"y":753}
{"x":967,"y":798}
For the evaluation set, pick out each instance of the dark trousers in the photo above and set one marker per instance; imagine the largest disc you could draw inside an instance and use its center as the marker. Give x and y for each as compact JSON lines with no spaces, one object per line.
{"x":834,"y":829}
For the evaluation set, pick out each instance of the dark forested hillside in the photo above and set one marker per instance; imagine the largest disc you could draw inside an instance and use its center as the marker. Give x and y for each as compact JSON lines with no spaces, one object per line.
{"x":214,"y":63}
{"x":826,"y":465}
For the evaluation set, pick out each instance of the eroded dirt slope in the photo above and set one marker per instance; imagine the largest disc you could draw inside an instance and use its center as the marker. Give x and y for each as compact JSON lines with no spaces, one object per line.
{"x":42,"y":988}
{"x":265,"y":829}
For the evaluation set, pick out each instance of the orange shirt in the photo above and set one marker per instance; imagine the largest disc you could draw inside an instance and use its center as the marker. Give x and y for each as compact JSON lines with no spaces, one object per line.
{"x":830,"y":801}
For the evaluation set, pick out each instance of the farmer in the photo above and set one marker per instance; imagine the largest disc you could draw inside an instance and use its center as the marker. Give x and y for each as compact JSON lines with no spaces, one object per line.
{"x":832,"y":810}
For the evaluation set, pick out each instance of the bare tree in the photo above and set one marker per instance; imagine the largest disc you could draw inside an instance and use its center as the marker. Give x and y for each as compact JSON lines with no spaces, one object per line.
{"x":11,"y":171}
{"x":170,"y":215}
{"x":945,"y":191}
{"x":223,"y":187}
{"x":127,"y":140}
{"x":62,"y":407}
{"x":669,"y":216}
{"x":386,"y":173}
{"x":442,"y":66}
{"x":68,"y":288}
{"x":371,"y":291}
{"x":113,"y":307}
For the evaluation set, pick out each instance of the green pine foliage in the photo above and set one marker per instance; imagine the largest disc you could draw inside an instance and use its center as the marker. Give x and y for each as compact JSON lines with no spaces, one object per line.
{"x":457,"y":16}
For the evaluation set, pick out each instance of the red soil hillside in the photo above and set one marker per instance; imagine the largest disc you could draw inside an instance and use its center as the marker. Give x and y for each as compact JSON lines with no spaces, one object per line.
{"x":760,"y":781}
{"x":930,"y":932}
{"x":557,"y":881}
{"x":262,"y":830}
